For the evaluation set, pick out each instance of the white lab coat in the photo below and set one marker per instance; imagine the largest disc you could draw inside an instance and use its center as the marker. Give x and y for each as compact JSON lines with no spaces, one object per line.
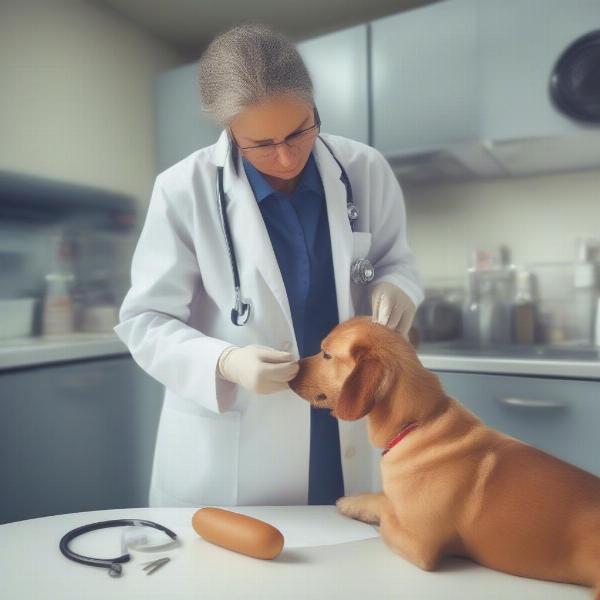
{"x":218,"y":443}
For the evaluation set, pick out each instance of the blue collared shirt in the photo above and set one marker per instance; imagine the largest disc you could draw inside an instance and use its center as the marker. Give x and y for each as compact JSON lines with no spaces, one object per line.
{"x":299,"y":232}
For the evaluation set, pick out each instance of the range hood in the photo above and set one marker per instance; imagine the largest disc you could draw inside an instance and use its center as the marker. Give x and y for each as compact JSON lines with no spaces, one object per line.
{"x":483,"y":159}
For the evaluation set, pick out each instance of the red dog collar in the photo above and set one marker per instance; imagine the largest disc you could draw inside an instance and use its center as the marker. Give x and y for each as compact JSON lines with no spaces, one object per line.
{"x":405,"y":431}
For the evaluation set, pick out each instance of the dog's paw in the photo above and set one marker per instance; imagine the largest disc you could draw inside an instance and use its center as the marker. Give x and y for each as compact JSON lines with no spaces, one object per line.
{"x":346,"y":506}
{"x":357,"y":507}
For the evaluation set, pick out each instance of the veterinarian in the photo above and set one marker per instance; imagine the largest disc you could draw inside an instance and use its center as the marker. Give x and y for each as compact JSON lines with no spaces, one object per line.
{"x":252,"y":250}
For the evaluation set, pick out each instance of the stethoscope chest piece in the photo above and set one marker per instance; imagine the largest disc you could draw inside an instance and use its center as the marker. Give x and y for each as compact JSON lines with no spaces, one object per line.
{"x":241,"y":312}
{"x":352,"y":212}
{"x":115,"y":570}
{"x":362,"y":271}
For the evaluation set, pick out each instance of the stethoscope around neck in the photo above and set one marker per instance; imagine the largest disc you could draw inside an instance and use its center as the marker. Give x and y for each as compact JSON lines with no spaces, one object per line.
{"x":361,"y":270}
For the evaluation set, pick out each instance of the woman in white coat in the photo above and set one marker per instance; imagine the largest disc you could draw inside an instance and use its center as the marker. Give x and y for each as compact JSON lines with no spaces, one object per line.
{"x":231,"y":431}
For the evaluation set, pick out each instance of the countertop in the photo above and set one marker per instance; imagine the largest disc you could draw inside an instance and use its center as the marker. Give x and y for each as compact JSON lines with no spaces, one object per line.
{"x":569,"y":361}
{"x":561,"y":368}
{"x":31,"y":565}
{"x":544,"y":362}
{"x":31,"y":351}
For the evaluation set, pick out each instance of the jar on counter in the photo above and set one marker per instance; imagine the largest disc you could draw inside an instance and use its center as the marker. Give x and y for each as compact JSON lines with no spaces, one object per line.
{"x":58,"y":315}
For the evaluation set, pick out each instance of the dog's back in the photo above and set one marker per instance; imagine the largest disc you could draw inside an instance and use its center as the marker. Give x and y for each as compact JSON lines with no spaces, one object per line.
{"x":538,"y":516}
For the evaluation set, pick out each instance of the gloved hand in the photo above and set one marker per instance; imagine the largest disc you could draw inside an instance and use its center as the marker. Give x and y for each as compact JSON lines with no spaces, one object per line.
{"x":392,"y":307}
{"x":259,"y":369}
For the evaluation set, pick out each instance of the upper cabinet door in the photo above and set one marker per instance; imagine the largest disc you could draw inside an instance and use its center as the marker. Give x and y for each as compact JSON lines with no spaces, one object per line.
{"x":424,"y":77}
{"x":337,"y":63}
{"x":521,"y":43}
{"x":181,"y":126}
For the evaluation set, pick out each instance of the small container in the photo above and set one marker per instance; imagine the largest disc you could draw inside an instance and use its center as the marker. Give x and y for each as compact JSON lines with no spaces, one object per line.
{"x":523,"y":310}
{"x":584,"y":282}
{"x":58,"y":315}
{"x":99,"y":318}
{"x":16,"y":317}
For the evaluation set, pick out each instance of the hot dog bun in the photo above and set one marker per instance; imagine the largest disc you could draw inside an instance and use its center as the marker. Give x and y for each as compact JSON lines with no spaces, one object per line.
{"x":238,"y":532}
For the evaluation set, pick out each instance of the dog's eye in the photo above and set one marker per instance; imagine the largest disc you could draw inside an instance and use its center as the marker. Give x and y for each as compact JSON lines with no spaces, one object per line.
{"x":326,"y":356}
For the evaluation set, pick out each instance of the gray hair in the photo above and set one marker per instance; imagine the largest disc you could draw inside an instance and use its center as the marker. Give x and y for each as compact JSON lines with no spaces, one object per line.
{"x":246,"y":65}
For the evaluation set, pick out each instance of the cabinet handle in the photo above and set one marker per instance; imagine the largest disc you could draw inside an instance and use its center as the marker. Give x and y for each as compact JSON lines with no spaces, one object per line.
{"x":530,"y":403}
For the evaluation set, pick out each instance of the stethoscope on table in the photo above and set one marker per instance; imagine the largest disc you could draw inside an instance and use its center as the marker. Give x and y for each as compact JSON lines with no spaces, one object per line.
{"x":112,"y":564}
{"x":361,"y":271}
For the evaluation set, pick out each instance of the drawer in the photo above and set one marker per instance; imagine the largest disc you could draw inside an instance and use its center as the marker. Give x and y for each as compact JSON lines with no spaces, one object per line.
{"x":558,"y":416}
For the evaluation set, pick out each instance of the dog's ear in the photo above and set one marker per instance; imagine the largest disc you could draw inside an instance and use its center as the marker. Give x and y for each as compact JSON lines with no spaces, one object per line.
{"x":358,"y":393}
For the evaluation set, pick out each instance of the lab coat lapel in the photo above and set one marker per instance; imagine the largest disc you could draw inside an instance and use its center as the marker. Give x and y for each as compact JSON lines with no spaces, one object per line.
{"x":248,"y":231}
{"x":339,"y":227}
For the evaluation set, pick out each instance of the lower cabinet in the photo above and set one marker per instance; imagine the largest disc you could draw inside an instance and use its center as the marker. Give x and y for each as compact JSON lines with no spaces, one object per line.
{"x":559,"y":416}
{"x":76,"y":437}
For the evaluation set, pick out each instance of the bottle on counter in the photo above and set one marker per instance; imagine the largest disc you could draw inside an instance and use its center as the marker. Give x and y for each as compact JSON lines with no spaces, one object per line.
{"x":58,"y":315}
{"x":470,"y":316}
{"x":58,"y":311}
{"x":523,"y":310}
{"x":585,"y":291}
{"x":100,"y":313}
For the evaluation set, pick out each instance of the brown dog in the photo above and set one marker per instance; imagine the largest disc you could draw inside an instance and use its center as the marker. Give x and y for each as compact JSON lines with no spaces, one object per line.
{"x":451,"y":485}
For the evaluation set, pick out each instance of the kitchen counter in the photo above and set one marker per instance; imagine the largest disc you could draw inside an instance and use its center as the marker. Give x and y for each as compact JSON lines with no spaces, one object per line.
{"x":544,"y":362}
{"x":579,"y":362}
{"x":326,"y":556}
{"x":30,"y":351}
{"x":512,"y":366}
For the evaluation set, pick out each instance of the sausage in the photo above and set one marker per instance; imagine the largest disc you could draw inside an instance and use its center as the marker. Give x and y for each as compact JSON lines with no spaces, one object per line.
{"x":238,"y":532}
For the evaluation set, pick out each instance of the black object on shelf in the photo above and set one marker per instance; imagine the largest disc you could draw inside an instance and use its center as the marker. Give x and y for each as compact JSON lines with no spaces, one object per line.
{"x":575,"y":79}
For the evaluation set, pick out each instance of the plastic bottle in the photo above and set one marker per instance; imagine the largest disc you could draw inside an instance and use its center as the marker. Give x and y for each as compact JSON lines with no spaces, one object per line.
{"x":471,"y":311}
{"x":58,"y":315}
{"x":585,"y":292}
{"x":523,"y":310}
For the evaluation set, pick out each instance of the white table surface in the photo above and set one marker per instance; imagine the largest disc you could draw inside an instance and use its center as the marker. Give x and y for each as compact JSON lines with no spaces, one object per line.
{"x":32,"y":567}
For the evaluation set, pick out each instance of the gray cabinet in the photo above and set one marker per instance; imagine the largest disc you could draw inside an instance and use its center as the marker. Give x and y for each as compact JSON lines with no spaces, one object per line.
{"x":337,"y":63}
{"x":521,"y":42}
{"x":76,"y":437}
{"x":559,"y":416}
{"x":424,"y":77}
{"x":467,"y":70}
{"x":181,"y":127}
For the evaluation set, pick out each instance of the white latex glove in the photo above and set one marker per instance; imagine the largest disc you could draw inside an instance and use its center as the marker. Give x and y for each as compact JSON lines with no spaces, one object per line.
{"x":259,"y":369}
{"x":392,"y":307}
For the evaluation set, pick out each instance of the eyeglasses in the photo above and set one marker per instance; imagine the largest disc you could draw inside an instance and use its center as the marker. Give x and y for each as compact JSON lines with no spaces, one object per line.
{"x":294,"y":141}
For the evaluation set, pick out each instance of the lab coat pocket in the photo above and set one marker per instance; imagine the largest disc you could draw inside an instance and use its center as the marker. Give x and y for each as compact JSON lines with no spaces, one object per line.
{"x":197,"y":457}
{"x":361,"y":245}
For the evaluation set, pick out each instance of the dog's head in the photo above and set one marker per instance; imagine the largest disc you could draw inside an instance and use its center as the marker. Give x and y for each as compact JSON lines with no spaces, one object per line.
{"x":355,"y":368}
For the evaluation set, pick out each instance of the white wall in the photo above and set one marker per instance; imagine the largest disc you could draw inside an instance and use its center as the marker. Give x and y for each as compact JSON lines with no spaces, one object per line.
{"x":76,"y":99}
{"x":538,"y":218}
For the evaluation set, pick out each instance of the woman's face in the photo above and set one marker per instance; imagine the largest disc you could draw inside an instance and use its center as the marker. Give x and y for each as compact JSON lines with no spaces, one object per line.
{"x":272,"y":121}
